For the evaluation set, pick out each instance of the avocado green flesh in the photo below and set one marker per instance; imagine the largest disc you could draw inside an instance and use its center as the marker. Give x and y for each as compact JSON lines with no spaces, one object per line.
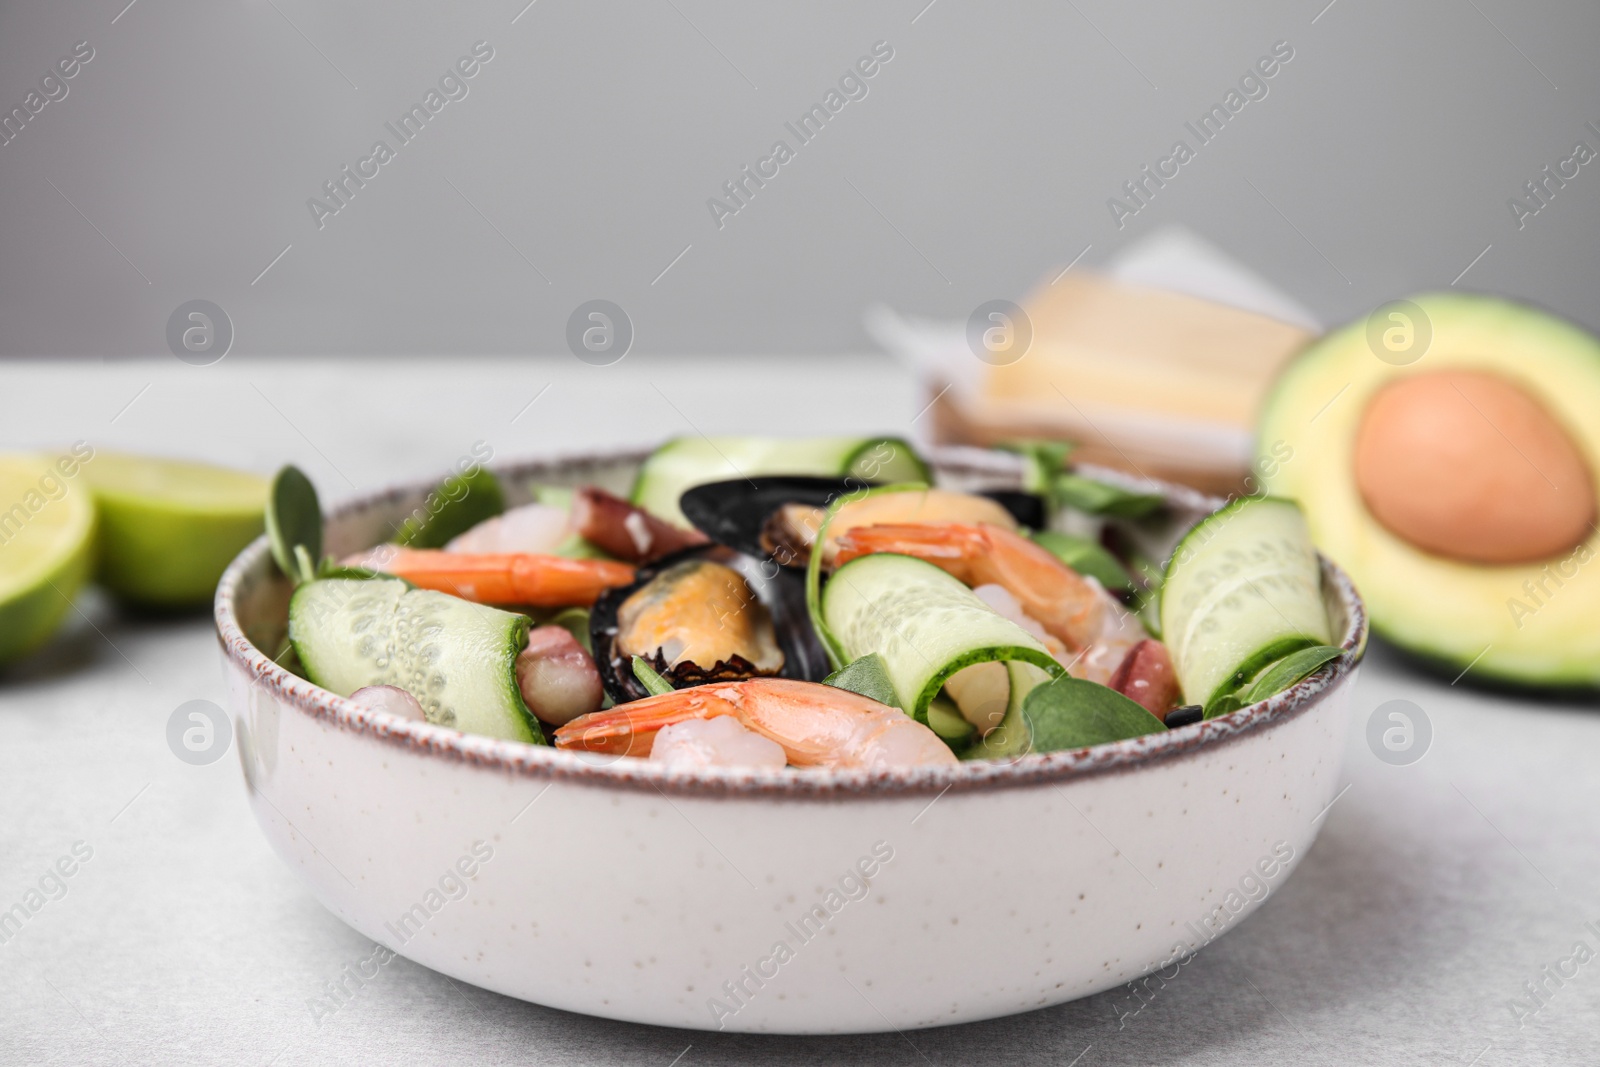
{"x":1531,"y":624}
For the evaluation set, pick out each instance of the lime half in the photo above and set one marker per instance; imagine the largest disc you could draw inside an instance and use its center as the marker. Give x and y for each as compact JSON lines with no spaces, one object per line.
{"x":168,"y":529}
{"x":46,"y":534}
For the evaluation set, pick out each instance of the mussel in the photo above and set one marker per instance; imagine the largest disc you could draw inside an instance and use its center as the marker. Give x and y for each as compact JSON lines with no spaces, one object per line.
{"x":777,"y":517}
{"x":706,"y":614}
{"x":1028,"y":509}
{"x":771,"y":517}
{"x":699,"y":621}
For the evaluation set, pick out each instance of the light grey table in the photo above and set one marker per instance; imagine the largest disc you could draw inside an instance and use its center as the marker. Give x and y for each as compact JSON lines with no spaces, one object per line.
{"x":1435,"y":892}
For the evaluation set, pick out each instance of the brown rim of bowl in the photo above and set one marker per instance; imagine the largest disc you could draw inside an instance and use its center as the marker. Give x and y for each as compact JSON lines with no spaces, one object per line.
{"x":547,"y":763}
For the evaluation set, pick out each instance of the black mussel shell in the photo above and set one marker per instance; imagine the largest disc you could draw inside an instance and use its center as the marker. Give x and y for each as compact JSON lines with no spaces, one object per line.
{"x":1187,"y":715}
{"x":733,"y":669}
{"x":738,"y":512}
{"x":1027,"y":508}
{"x":782,"y":592}
{"x":735,"y":512}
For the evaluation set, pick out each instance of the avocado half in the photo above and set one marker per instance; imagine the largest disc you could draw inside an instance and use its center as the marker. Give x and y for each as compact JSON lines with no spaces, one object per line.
{"x":1528,"y":623}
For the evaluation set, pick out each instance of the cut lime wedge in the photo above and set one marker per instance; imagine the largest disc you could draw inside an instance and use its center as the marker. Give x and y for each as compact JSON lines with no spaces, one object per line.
{"x":46,"y":536}
{"x":168,"y":529}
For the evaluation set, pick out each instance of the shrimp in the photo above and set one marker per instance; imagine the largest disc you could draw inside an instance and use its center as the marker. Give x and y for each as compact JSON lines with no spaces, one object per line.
{"x":521,"y":578}
{"x":390,"y":698}
{"x":529,"y":528}
{"x":816,"y":725}
{"x":920,"y":507}
{"x":1074,"y":610}
{"x":790,"y":533}
{"x":719,"y":742}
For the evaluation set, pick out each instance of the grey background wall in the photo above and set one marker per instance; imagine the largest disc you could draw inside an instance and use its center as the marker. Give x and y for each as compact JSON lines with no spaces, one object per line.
{"x":579,"y":163}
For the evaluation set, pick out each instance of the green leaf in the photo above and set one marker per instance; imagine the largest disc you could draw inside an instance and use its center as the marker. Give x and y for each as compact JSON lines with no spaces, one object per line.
{"x":1223,"y":705}
{"x":1275,"y":677}
{"x":329,"y":568}
{"x":653,"y":683}
{"x":1044,"y":459}
{"x":459,"y":503}
{"x":304,"y":564}
{"x":1069,"y":713}
{"x":1148,"y":578}
{"x":294,"y":518}
{"x":1289,"y":670}
{"x":555,"y":496}
{"x":1086,"y":557}
{"x":868,"y":676}
{"x":1229,"y":694}
{"x":576,"y":546}
{"x":1148,"y":612}
{"x":1102,"y":498}
{"x":576,"y":622}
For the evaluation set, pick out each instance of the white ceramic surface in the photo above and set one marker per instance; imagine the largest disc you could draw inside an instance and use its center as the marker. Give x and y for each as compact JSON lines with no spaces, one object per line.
{"x":736,"y":900}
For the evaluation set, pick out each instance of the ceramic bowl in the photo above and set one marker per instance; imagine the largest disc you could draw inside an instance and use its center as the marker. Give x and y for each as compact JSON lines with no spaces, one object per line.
{"x":790,"y":901}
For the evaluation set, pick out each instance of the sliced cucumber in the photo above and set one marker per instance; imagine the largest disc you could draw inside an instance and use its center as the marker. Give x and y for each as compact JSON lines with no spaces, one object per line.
{"x":835,"y":653}
{"x":686,"y":462}
{"x":1013,"y":737}
{"x":457,"y":658}
{"x":946,"y":720}
{"x":1242,"y":590}
{"x":925,"y":624}
{"x":1274,"y":678}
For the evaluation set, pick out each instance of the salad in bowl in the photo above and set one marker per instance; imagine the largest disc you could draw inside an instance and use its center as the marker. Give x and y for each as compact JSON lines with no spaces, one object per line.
{"x":803,"y":619}
{"x":997,"y":730}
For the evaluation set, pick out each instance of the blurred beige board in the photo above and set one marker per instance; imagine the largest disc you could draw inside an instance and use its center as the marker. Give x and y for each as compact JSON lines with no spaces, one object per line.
{"x":1154,"y":365}
{"x":1146,"y":380}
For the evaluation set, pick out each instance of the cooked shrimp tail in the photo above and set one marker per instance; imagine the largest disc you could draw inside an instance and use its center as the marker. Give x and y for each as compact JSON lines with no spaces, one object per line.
{"x":518,"y":578}
{"x":816,"y":725}
{"x":1065,"y":604}
{"x":1074,"y":610}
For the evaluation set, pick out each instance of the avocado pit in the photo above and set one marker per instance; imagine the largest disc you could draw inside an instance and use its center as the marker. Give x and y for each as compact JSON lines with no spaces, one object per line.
{"x":1468,"y":465}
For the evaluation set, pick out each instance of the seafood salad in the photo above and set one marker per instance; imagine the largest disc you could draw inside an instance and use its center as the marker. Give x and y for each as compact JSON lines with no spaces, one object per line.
{"x":763,"y":603}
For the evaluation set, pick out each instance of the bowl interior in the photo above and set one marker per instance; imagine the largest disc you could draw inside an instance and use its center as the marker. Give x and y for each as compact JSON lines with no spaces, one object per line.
{"x":253,"y":597}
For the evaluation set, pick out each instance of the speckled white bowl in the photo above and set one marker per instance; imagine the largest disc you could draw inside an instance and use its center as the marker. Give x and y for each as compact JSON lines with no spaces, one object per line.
{"x":791,"y":901}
